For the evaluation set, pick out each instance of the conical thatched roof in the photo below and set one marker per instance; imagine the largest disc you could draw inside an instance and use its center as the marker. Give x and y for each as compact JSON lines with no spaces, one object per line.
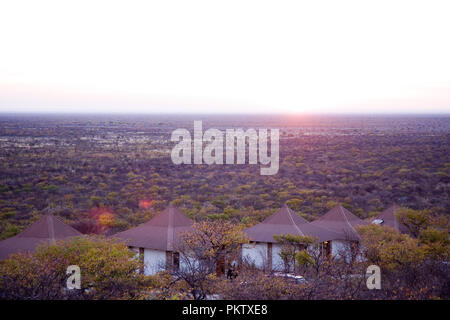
{"x":160,"y":233}
{"x":388,"y":218}
{"x":46,"y":230}
{"x":284,"y":221}
{"x":342,"y":222}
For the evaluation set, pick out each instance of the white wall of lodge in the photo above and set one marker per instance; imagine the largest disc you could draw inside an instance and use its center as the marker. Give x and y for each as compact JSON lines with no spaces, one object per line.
{"x":343,"y":249}
{"x":277,"y":262}
{"x":256,"y":253}
{"x":156,"y":260}
{"x":339,"y":248}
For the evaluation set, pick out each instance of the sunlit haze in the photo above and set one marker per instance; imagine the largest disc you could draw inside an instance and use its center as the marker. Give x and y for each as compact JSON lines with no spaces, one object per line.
{"x":225,"y":56}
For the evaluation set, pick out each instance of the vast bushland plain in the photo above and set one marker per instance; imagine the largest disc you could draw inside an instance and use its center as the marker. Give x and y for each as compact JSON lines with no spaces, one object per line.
{"x":107,"y":173}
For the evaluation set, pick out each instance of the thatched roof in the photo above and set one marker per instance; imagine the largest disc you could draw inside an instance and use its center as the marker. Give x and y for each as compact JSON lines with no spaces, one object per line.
{"x":284,"y":221}
{"x":46,"y":230}
{"x":342,"y":222}
{"x":160,"y":233}
{"x":388,"y":218}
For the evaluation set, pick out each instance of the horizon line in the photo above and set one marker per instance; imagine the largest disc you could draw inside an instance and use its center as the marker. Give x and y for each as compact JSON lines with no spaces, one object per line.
{"x":129,"y":113}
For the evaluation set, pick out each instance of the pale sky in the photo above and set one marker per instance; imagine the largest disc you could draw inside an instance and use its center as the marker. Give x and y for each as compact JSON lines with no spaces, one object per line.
{"x":225,"y":56}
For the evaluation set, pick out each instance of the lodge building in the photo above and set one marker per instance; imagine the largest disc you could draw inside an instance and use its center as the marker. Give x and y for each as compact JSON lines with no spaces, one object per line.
{"x":335,"y":231}
{"x":155,"y":241}
{"x":264,"y":252}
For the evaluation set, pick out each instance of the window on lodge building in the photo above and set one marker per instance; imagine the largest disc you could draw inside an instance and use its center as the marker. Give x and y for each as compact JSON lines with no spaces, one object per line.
{"x":326,"y":248}
{"x":172,"y":260}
